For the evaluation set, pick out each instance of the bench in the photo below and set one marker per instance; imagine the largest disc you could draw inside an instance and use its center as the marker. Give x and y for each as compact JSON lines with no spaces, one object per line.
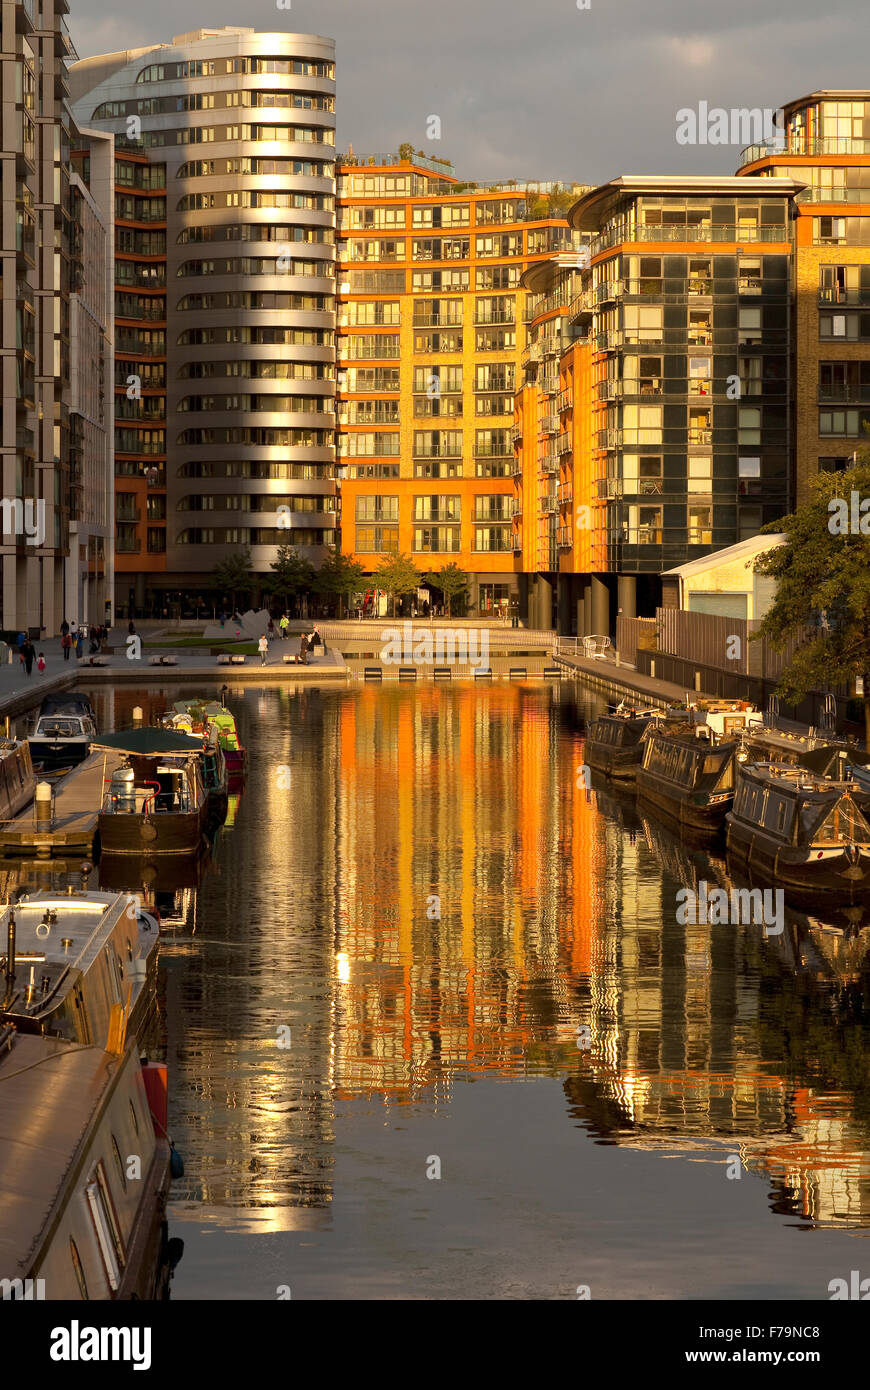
{"x":407,"y":673}
{"x":373,"y":673}
{"x":237,"y":659}
{"x":442,"y":673}
{"x":97,"y":661}
{"x":224,"y":659}
{"x":517,"y":673}
{"x":483,"y":673}
{"x":552,"y":673}
{"x":163,"y":661}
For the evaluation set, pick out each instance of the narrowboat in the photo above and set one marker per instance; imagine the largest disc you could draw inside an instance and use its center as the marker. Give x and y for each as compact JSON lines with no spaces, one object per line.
{"x":214,"y":764}
{"x":687,"y":772}
{"x":201,"y":715}
{"x":71,"y":959}
{"x":800,"y":831}
{"x":613,"y":743}
{"x":156,"y":802}
{"x":78,"y":1220}
{"x":17,"y":778}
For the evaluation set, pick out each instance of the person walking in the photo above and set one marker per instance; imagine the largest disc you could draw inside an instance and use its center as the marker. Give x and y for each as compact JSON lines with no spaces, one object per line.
{"x":80,"y":646}
{"x":66,"y":643}
{"x":74,"y":630}
{"x":29,"y":654}
{"x":303,"y":649}
{"x":131,"y":628}
{"x":64,"y":628}
{"x":263,"y":648}
{"x":40,"y":665}
{"x":283,"y":624}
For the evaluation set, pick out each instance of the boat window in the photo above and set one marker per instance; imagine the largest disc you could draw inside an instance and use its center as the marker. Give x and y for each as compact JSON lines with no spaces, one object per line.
{"x":135,"y":1117}
{"x":78,"y":1268}
{"x":844,"y":824}
{"x":112,"y":962}
{"x":105,"y":1225}
{"x":119,"y":1163}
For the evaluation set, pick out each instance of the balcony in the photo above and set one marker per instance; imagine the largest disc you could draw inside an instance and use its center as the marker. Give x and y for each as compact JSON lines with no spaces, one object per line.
{"x":549,"y":424}
{"x":565,"y":494}
{"x":700,"y":436}
{"x":727,"y":232}
{"x":516,"y":507}
{"x":563,"y":538}
{"x":841,"y":391}
{"x":516,"y":434}
{"x":127,"y":515}
{"x":127,"y":545}
{"x":835,"y":294}
{"x":531,"y":355}
{"x":549,"y":463}
{"x":609,"y":439}
{"x":549,"y":505}
{"x":609,"y":488}
{"x":563,"y":444}
{"x":800,"y":145}
{"x":566,"y":400}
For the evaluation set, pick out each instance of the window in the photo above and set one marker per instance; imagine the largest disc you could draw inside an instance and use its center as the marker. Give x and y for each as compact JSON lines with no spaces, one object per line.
{"x":749,"y":425}
{"x":700,"y":525}
{"x":749,"y":325}
{"x":78,"y":1268}
{"x":377,"y":540}
{"x":842,"y":422}
{"x":373,"y":507}
{"x":105,"y":1225}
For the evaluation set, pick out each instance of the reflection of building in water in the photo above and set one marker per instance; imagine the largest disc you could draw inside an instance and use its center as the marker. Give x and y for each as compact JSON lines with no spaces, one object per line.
{"x":469,"y":882}
{"x":705,"y":1037}
{"x":256,"y":1117}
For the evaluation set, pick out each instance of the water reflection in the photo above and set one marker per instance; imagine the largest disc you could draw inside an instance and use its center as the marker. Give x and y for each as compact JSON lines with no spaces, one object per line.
{"x":437,"y":898}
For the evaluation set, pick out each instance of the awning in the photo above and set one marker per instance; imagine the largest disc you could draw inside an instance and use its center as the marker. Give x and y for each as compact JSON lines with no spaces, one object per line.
{"x":149,"y":742}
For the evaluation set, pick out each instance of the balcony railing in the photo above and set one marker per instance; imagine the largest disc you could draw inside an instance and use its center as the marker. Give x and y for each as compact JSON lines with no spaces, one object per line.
{"x":125,"y":545}
{"x":802,"y":146}
{"x":842,"y":391}
{"x":563,"y":444}
{"x":834,"y":294}
{"x":707,"y":232}
{"x":566,"y":400}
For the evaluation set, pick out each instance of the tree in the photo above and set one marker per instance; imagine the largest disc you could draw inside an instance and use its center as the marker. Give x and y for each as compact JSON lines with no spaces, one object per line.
{"x":233,"y":573}
{"x":339,"y":576}
{"x":397,"y":575}
{"x":406,"y":152}
{"x":291,"y":574}
{"x":451,"y":580}
{"x":823,"y":587}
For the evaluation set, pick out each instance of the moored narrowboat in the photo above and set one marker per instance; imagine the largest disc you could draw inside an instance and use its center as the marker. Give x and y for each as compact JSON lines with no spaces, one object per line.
{"x":75,"y":1222}
{"x":687,"y":772}
{"x":613,"y":743}
{"x":156,"y":802}
{"x":64,"y":731}
{"x":17,"y":778}
{"x":70,"y":959}
{"x":797,"y":830}
{"x":201,"y":716}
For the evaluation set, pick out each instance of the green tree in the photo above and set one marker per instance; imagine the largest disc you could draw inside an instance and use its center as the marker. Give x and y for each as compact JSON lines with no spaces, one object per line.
{"x":406,"y":151}
{"x":339,"y":577}
{"x":451,"y":580}
{"x":823,"y":587}
{"x":397,"y":575}
{"x":291,"y":575}
{"x":233,"y":573}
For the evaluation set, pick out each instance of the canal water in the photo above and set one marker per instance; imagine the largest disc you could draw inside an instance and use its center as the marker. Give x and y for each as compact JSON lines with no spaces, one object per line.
{"x":434,"y":1029}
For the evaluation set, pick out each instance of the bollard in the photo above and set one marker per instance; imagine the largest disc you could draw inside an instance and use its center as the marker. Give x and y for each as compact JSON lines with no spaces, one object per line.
{"x":697,"y":680}
{"x":137,"y":717}
{"x":42,"y":802}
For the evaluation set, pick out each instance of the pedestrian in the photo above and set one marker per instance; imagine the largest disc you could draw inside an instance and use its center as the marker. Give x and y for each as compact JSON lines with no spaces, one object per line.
{"x":21,"y":655}
{"x":66,"y":642}
{"x":271,"y":630}
{"x":223,"y":618}
{"x":283,"y":624}
{"x":29,"y":654}
{"x":40,"y":665}
{"x":21,"y":639}
{"x":263,"y":647}
{"x":315,"y":639}
{"x":131,"y":628}
{"x":303,"y":649}
{"x":64,"y":628}
{"x":74,"y":629}
{"x":80,"y":646}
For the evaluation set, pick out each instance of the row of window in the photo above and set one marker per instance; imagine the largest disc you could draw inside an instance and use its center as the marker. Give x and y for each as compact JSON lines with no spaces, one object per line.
{"x":430,"y":540}
{"x":219,"y":67}
{"x":494,"y":506}
{"x":254,"y":231}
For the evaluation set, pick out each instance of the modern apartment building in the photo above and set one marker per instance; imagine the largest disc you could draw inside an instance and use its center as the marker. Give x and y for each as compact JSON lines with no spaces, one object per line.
{"x":241,"y":126}
{"x":826,"y":147}
{"x":36,"y":584}
{"x":89,"y":582}
{"x":431,"y":336}
{"x":678,"y":389}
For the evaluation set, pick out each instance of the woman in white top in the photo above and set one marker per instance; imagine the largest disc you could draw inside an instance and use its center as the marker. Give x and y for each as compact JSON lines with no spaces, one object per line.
{"x":263,"y":646}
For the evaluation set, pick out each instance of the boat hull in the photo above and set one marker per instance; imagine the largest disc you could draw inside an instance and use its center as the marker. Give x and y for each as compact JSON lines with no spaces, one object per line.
{"x":167,"y":833}
{"x":619,"y":763}
{"x":801,"y":869}
{"x":694,"y":811}
{"x":52,"y":754}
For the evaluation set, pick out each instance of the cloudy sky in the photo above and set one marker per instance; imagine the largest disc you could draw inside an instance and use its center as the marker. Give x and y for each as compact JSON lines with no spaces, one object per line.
{"x":536,"y":89}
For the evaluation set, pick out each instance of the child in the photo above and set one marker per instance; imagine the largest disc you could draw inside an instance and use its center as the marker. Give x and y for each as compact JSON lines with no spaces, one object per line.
{"x":40,"y":665}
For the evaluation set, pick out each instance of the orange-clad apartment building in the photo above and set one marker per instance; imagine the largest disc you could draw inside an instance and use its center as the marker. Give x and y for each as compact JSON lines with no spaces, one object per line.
{"x":431,"y":337}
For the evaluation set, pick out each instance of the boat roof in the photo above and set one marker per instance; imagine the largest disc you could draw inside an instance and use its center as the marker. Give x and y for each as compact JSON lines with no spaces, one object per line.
{"x":804,"y":780}
{"x":67,"y":702}
{"x":209,"y":707}
{"x":44,"y":921}
{"x":49,"y":1092}
{"x":153,"y":743}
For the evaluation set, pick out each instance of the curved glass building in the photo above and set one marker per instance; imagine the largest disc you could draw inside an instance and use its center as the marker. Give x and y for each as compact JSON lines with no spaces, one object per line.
{"x":244,"y":124}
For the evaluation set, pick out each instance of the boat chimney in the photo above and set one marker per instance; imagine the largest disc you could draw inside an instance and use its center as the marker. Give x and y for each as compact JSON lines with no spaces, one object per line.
{"x":7,"y":727}
{"x":10,"y":951}
{"x":224,"y":690}
{"x":138,"y":717}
